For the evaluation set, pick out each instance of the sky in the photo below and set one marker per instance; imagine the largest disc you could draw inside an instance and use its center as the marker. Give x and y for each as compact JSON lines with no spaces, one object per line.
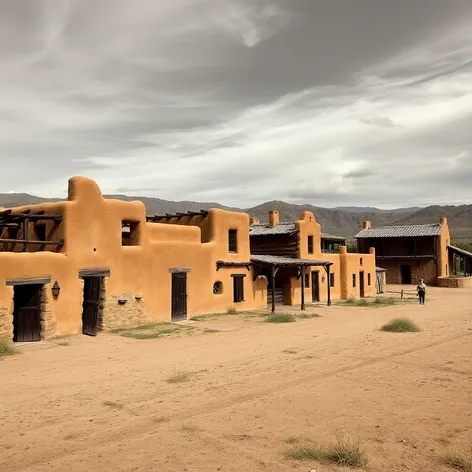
{"x":327,"y":102}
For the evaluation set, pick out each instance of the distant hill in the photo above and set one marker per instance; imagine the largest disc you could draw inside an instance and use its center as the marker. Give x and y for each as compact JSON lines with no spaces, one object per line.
{"x":342,"y":221}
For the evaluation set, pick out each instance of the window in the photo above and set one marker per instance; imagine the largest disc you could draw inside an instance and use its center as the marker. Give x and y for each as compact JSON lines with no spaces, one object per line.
{"x":233,"y":240}
{"x":354,"y":280}
{"x":331,"y":280}
{"x":310,"y":244}
{"x":368,"y":280}
{"x":217,"y":288}
{"x":130,"y":233}
{"x":307,"y":280}
{"x":238,"y":288}
{"x":361,"y":261}
{"x":40,"y":231}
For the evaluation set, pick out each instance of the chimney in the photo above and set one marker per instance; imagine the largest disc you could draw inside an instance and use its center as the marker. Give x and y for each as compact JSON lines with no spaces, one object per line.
{"x":273,"y":218}
{"x":366,"y":225}
{"x":443,"y":221}
{"x":253,"y":221}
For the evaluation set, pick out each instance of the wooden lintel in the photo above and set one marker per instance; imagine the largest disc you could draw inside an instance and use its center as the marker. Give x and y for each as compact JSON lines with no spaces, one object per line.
{"x":178,"y":270}
{"x":94,"y":273}
{"x":28,"y":281}
{"x":29,"y":241}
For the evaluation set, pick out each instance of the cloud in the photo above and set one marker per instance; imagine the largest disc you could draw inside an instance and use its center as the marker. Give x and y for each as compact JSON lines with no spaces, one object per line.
{"x":237,"y":101}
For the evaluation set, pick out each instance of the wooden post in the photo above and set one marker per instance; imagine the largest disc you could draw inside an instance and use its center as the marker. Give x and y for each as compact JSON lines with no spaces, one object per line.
{"x":25,"y":233}
{"x":302,"y":275}
{"x":273,"y":273}
{"x":327,"y":268}
{"x":401,"y":293}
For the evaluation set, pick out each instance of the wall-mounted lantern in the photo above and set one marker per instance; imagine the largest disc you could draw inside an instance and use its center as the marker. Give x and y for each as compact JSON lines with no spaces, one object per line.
{"x":55,"y":289}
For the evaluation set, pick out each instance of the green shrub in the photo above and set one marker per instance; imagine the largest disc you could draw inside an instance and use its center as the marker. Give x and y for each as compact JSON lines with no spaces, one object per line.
{"x":7,"y":348}
{"x":400,"y":325}
{"x":280,"y":318}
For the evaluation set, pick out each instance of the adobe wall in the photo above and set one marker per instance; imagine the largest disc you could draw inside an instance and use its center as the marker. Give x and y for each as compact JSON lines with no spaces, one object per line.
{"x":455,"y":282}
{"x":140,"y":274}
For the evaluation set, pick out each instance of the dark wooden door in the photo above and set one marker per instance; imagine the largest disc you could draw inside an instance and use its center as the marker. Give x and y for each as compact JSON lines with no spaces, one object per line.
{"x":91,"y":305}
{"x":361,"y":285}
{"x":315,"y":286}
{"x":179,"y":296}
{"x":27,"y":313}
{"x":406,"y":274}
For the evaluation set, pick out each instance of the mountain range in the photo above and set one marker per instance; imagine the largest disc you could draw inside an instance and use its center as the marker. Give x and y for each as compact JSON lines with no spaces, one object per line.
{"x":342,"y":221}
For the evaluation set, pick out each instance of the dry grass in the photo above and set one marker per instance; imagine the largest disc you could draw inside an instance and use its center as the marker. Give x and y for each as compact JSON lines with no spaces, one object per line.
{"x":7,"y":348}
{"x":373,"y":302}
{"x":115,"y":405}
{"x":343,"y":451}
{"x":179,"y":377}
{"x":459,"y":459}
{"x":280,"y":318}
{"x":400,"y":325}
{"x":153,"y":330}
{"x":307,"y":316}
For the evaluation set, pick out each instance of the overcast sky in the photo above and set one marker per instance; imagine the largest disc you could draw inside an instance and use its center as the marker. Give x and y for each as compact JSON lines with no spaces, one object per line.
{"x":329,"y":102}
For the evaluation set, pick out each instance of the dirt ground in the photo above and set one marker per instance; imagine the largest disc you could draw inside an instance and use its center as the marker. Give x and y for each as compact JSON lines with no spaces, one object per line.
{"x":104,"y":403}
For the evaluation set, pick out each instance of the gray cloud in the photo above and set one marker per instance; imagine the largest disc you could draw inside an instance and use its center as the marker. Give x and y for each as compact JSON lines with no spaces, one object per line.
{"x":239,"y":100}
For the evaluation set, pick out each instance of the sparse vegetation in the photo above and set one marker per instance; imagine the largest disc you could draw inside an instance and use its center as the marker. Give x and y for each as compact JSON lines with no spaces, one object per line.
{"x":7,"y":348}
{"x":115,"y":405}
{"x":280,"y":318}
{"x":373,"y":302}
{"x":189,"y":428}
{"x":306,"y":316}
{"x":400,"y":325}
{"x":342,"y":451}
{"x":179,"y":377}
{"x":63,"y":343}
{"x":459,"y":459}
{"x":161,"y":419}
{"x":211,"y":330}
{"x":153,"y":331}
{"x":292,"y":440}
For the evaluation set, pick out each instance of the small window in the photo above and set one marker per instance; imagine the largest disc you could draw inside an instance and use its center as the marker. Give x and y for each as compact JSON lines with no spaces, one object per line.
{"x":238,"y":288}
{"x":130,"y":233}
{"x":40,"y":231}
{"x":354,"y":280}
{"x":310,"y":244}
{"x":307,"y":280}
{"x":217,"y":288}
{"x":368,"y":280}
{"x":331,"y":280}
{"x":361,"y":261}
{"x":233,"y":240}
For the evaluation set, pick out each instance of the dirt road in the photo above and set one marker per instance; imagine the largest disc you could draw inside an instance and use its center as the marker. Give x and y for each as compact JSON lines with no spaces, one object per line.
{"x":104,"y":403}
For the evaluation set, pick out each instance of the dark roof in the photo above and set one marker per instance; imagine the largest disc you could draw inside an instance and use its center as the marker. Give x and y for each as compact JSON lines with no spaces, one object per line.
{"x":379,"y":269}
{"x":408,"y":231}
{"x":264,"y":230}
{"x":332,"y":236}
{"x":286,"y":261}
{"x":460,"y":251}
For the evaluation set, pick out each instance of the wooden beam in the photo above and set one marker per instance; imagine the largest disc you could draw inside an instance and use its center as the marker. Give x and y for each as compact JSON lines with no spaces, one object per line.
{"x":274,"y":271}
{"x":29,"y":241}
{"x":25,"y":233}
{"x":302,"y":272}
{"x":30,"y":281}
{"x":327,"y":268}
{"x":94,"y":273}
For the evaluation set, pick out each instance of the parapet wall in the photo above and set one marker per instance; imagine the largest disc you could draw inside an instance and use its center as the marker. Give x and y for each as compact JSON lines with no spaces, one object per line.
{"x":455,"y":282}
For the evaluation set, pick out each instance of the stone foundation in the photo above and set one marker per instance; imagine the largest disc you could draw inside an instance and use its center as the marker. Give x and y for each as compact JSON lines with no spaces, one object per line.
{"x":48,"y":325}
{"x":455,"y":282}
{"x":6,"y":321}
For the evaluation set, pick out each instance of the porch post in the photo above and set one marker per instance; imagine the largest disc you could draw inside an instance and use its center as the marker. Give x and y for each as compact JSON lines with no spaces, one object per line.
{"x":328,"y":283}
{"x":302,"y":272}
{"x":273,"y":272}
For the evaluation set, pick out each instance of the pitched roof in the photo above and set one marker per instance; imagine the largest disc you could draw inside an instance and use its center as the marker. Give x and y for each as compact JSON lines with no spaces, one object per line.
{"x":287,"y":261}
{"x":408,"y":231}
{"x":332,"y":236}
{"x":264,"y":230}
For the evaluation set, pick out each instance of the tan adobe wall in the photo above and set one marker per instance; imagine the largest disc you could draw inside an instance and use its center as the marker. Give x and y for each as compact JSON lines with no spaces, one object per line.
{"x":442,"y":252}
{"x":455,"y":282}
{"x":92,"y":229}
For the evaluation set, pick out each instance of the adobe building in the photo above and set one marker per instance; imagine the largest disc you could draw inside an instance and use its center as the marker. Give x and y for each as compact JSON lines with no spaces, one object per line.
{"x":89,"y":264}
{"x":409,"y":253}
{"x":299,"y":268}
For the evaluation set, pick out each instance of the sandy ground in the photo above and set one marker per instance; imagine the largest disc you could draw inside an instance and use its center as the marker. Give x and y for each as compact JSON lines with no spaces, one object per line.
{"x":408,"y":397}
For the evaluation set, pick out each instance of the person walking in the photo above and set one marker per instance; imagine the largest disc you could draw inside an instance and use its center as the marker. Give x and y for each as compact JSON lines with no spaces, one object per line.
{"x":421,"y":289}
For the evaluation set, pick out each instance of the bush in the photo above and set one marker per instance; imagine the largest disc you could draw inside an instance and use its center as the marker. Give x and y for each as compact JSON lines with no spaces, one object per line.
{"x":400,"y":325}
{"x":461,"y":460}
{"x":280,"y":318}
{"x":7,"y":348}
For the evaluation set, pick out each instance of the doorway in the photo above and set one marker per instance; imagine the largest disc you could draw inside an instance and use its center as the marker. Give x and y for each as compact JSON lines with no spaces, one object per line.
{"x":361,"y":284}
{"x":405,"y":271}
{"x":91,"y":305}
{"x":315,"y":286}
{"x":179,"y":296}
{"x":27,"y":313}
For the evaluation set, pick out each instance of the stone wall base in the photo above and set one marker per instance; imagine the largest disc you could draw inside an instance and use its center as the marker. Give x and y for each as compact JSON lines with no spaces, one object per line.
{"x":455,"y":282}
{"x":123,"y":310}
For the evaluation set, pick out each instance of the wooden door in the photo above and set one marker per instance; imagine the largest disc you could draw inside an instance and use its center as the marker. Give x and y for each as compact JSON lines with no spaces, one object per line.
{"x":361,"y":284}
{"x":91,"y":305}
{"x":315,"y":286}
{"x":27,"y":313}
{"x":179,"y":296}
{"x":405,"y":274}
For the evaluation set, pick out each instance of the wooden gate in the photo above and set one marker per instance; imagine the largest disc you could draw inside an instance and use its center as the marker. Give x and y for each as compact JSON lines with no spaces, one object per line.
{"x":179,"y":296}
{"x":27,"y":313}
{"x":91,"y":305}
{"x":315,"y":286}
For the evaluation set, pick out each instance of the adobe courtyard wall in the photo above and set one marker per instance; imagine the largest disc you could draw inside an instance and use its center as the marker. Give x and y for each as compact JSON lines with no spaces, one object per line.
{"x":455,"y":282}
